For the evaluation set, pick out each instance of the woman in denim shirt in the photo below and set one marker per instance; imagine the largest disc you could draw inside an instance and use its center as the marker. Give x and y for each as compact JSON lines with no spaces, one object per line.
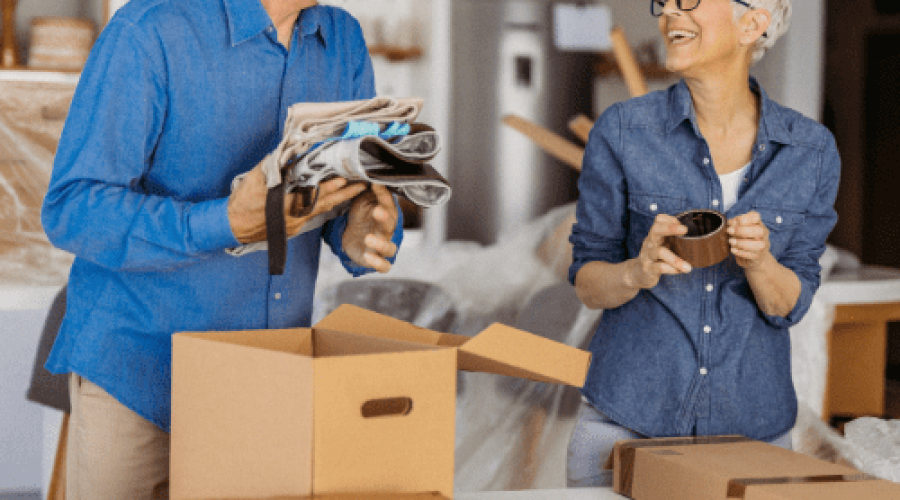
{"x":682,"y":351}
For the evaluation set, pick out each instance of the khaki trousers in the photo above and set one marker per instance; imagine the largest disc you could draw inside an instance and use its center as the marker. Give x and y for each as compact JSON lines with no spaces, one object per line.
{"x":113,"y":453}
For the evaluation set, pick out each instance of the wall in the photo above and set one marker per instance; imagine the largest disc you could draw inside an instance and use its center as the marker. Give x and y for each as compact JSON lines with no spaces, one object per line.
{"x":791,"y":72}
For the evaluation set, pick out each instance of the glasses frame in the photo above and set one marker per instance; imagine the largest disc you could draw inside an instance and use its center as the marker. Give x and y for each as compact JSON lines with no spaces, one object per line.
{"x":678,"y":4}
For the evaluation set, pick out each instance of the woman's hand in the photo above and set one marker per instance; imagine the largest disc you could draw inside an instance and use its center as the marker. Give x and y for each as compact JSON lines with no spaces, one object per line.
{"x":370,"y":226}
{"x":749,"y":241}
{"x":655,"y":258}
{"x":247,"y":205}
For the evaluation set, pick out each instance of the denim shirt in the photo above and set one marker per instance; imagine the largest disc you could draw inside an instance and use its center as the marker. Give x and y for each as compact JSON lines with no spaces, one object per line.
{"x":695,"y":354}
{"x":176,"y":99}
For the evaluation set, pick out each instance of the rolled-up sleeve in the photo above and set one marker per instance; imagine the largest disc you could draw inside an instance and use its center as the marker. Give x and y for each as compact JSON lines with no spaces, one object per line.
{"x":601,"y":212}
{"x":808,"y":244}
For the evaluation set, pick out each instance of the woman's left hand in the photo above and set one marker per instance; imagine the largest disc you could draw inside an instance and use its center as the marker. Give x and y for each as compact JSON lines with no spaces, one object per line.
{"x":748,"y":238}
{"x":370,"y":226}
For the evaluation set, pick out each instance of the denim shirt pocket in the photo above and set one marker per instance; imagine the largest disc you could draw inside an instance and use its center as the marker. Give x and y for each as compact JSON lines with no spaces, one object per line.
{"x":642,"y":211}
{"x":782,"y":224}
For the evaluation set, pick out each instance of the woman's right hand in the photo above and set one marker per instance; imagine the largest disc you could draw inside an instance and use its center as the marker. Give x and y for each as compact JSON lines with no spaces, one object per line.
{"x":655,"y":258}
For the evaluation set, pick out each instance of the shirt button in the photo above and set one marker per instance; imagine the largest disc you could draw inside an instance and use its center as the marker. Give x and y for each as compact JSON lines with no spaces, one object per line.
{"x":706,"y":161}
{"x":778,"y":220}
{"x":707,"y":329}
{"x":703,"y":371}
{"x":270,"y":29}
{"x":709,"y":288}
{"x":715,"y":203}
{"x":762,"y":147}
{"x":653,"y":207}
{"x":277,"y":296}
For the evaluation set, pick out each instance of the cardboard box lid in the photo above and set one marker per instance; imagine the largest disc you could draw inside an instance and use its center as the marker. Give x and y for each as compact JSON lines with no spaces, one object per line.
{"x":498,"y":349}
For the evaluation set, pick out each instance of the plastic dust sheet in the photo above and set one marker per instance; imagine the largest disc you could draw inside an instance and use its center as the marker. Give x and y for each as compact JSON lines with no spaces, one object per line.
{"x":512,"y":433}
{"x":31,"y":120}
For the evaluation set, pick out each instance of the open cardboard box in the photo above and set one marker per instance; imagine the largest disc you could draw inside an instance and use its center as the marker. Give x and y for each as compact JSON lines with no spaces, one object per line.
{"x":360,"y":402}
{"x":720,"y":467}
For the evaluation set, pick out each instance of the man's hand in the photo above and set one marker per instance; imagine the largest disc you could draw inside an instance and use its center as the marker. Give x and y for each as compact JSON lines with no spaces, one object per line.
{"x":370,"y":225}
{"x":247,"y":205}
{"x":749,"y":241}
{"x":655,"y":259}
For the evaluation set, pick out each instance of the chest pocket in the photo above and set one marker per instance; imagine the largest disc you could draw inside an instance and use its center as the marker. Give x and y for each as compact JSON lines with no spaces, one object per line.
{"x":782,"y":224}
{"x":642,"y":211}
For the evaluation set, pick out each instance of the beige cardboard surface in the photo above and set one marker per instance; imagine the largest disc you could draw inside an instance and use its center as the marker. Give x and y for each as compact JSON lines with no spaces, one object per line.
{"x":861,"y":490}
{"x":498,"y":349}
{"x":354,"y":319}
{"x":239,"y":417}
{"x":508,"y":351}
{"x":412,"y":452}
{"x":360,"y":402}
{"x":702,"y":472}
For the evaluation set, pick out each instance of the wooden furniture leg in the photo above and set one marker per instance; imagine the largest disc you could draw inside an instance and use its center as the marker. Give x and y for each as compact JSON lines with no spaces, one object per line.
{"x":631,"y":70}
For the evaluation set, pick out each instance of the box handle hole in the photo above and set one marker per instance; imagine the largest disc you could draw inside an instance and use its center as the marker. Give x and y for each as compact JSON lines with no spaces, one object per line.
{"x":388,"y":407}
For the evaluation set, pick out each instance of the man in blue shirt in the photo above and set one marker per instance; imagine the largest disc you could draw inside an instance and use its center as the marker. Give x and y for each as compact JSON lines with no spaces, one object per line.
{"x":176,"y":99}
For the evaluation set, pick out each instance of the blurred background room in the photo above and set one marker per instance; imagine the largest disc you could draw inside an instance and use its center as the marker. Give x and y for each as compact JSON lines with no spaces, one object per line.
{"x":509,"y":85}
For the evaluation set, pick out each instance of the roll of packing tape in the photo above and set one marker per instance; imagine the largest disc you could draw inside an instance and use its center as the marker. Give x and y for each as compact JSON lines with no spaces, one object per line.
{"x":706,"y":242}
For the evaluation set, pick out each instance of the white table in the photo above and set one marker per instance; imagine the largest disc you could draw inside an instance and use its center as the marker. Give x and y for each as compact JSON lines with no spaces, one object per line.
{"x":865,"y":300}
{"x":570,"y":494}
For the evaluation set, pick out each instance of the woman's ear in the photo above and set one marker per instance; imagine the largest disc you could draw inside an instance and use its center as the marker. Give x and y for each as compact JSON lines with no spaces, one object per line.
{"x":754,"y":25}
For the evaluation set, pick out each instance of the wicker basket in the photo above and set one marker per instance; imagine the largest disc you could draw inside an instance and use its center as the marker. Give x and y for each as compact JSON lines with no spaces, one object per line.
{"x":60,"y":43}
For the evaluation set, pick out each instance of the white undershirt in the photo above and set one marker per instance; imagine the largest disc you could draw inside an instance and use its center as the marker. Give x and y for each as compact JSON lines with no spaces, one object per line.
{"x":731,"y":184}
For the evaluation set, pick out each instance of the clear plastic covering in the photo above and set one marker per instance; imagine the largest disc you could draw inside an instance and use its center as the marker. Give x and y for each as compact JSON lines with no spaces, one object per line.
{"x":31,"y":120}
{"x":513,"y":433}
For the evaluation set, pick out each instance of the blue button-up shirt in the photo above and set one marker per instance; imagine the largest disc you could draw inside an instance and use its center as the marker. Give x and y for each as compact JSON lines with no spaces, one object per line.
{"x":695,"y":354}
{"x":176,"y":99}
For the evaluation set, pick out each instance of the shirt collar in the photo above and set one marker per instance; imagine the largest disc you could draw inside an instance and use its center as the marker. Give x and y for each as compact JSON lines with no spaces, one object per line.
{"x":772,"y":128}
{"x":248,"y":18}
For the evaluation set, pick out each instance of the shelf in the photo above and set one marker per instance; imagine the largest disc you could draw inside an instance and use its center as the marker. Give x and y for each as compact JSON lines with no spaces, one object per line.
{"x":605,"y":65}
{"x":396,"y":53}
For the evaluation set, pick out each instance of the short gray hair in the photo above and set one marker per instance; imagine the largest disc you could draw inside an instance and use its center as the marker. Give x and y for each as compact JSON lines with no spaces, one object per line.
{"x":780,"y":11}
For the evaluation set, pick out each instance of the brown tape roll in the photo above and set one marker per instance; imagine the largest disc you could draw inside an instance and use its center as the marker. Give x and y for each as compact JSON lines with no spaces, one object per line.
{"x":628,"y":450}
{"x":737,"y":488}
{"x":706,"y":242}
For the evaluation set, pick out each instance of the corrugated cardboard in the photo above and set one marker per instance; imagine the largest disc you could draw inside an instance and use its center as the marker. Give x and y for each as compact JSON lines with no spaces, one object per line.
{"x":714,"y":468}
{"x":301,"y":412}
{"x":858,"y":486}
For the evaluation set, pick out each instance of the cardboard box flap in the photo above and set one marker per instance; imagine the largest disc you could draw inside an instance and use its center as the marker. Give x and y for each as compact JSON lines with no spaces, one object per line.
{"x":737,"y":488}
{"x":505,"y":350}
{"x":355,"y":319}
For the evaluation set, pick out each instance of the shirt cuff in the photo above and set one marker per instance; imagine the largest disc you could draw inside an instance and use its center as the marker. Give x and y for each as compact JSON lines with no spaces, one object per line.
{"x":340,"y":224}
{"x":209,"y":226}
{"x":800,"y":308}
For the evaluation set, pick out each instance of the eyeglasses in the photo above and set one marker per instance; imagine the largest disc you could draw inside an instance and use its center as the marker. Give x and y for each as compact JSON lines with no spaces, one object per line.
{"x":657,"y":6}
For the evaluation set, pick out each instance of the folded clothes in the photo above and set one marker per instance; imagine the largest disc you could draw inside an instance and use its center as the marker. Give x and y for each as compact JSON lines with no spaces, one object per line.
{"x":396,"y":162}
{"x":374,"y":141}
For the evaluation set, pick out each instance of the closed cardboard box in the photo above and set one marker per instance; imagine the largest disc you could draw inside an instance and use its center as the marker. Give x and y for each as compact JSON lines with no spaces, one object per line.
{"x":359,"y":403}
{"x":716,"y":468}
